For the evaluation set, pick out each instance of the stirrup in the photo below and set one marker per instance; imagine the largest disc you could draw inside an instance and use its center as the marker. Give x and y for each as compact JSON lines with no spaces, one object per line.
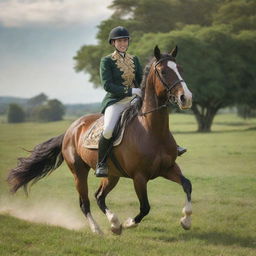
{"x":101,"y":170}
{"x":181,"y":150}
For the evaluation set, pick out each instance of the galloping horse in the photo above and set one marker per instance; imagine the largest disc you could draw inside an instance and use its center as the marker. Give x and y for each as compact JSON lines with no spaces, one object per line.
{"x":147,"y":151}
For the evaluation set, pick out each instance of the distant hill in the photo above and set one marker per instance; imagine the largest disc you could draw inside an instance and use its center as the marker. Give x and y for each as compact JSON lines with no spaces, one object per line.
{"x":71,"y":109}
{"x":6,"y":100}
{"x":10,"y":99}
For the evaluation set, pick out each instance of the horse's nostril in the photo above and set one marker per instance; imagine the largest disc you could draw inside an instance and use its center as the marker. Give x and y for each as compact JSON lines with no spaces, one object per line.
{"x":182,"y":98}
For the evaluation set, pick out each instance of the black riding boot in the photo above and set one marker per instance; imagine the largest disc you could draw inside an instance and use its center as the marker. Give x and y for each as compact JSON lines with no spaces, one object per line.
{"x":102,"y":168}
{"x":181,"y":150}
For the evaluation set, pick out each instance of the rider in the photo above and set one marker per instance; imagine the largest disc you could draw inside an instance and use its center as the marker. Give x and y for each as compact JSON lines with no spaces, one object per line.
{"x":121,"y":75}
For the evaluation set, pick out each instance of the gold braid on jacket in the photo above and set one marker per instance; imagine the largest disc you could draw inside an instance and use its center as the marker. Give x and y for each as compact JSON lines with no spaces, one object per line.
{"x":126,"y":65}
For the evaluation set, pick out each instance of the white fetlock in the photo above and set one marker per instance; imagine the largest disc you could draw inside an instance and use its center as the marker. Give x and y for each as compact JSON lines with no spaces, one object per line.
{"x":129,"y":223}
{"x":186,"y":222}
{"x":116,"y":227}
{"x":97,"y":230}
{"x":93,"y":225}
{"x":187,"y":209}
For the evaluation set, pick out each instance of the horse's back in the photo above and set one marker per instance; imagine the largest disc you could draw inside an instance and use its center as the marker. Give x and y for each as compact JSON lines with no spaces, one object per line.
{"x":82,"y":124}
{"x":78,"y":128}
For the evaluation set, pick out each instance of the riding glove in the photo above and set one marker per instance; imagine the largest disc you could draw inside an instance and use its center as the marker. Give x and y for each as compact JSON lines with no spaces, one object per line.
{"x":136,"y":91}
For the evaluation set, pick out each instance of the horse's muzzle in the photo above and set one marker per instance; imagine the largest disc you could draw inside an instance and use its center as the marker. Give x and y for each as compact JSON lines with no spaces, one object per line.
{"x":184,"y":102}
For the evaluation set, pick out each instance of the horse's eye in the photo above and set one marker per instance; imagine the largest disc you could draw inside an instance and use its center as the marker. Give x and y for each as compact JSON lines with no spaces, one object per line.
{"x":163,"y":72}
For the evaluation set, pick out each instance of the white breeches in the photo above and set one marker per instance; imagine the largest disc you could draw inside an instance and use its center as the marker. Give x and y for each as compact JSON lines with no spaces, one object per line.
{"x":112,"y":114}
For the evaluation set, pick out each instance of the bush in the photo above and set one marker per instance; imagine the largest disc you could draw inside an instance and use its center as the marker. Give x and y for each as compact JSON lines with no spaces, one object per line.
{"x":15,"y":114}
{"x":52,"y":111}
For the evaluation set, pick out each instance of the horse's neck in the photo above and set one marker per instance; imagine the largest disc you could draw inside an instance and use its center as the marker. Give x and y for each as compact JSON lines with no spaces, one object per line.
{"x":156,"y":122}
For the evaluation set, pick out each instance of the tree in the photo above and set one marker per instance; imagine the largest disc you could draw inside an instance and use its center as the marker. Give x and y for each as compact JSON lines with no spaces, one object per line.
{"x":142,"y":16}
{"x":15,"y":114}
{"x":37,"y":100}
{"x":211,"y":63}
{"x":33,"y":103}
{"x":218,"y":53}
{"x":239,"y":14}
{"x":52,"y":111}
{"x":56,"y":110}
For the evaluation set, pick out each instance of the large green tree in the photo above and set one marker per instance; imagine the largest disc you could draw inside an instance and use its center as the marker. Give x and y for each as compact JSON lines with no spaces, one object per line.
{"x":140,"y":17}
{"x":212,"y":66}
{"x":216,"y":41}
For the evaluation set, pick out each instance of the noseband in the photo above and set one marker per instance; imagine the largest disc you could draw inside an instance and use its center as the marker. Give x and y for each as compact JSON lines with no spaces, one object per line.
{"x":166,"y":86}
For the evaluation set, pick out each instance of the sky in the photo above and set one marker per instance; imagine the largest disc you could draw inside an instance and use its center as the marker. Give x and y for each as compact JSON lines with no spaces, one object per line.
{"x":38,"y":40}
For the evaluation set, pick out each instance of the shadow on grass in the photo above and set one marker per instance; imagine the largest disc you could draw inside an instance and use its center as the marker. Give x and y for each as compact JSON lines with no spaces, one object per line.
{"x":214,"y":238}
{"x":214,"y":132}
{"x":223,"y":238}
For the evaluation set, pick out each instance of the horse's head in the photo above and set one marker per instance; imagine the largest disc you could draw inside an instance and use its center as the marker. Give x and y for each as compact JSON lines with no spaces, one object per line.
{"x":169,"y":83}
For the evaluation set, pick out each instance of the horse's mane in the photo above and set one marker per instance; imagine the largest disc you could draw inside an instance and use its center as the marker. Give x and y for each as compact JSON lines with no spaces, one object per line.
{"x":133,"y":110}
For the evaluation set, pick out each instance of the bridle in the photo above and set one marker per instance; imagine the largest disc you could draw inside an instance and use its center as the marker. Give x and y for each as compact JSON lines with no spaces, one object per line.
{"x":167,"y":87}
{"x":171,"y":97}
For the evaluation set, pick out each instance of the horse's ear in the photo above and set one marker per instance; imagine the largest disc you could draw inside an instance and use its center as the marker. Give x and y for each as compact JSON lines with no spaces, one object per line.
{"x":174,"y":51}
{"x":157,"y":53}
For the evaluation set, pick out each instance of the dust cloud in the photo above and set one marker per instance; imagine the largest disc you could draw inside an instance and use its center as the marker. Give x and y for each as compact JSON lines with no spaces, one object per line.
{"x":47,"y":212}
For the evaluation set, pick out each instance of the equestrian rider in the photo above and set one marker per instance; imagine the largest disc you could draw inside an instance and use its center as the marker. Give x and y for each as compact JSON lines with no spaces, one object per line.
{"x":121,"y":75}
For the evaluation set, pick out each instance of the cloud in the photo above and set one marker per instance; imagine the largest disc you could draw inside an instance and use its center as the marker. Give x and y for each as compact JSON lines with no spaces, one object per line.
{"x":20,"y":13}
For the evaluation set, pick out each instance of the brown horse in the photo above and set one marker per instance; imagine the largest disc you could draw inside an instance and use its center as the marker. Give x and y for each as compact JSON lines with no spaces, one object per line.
{"x":147,"y":151}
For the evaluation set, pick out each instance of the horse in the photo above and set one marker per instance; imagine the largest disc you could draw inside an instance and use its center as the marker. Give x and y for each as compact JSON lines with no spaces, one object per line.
{"x":147,"y":151}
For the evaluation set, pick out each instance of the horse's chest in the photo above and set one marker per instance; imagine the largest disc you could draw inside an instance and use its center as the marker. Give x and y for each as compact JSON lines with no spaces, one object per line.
{"x":164,"y":158}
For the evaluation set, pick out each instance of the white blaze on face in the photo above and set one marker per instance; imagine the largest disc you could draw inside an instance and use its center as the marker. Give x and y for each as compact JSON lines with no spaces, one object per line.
{"x":187,"y":93}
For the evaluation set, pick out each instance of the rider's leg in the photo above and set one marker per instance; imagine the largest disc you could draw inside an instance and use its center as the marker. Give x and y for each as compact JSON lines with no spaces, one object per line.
{"x":111,"y":116}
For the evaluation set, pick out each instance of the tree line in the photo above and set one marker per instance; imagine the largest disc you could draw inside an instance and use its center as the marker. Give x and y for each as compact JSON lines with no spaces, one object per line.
{"x":38,"y":108}
{"x":216,"y":40}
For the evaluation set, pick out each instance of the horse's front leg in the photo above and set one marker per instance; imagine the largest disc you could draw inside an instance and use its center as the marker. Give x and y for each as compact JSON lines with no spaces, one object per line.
{"x":105,"y":187}
{"x":140,"y":185}
{"x":174,"y":174}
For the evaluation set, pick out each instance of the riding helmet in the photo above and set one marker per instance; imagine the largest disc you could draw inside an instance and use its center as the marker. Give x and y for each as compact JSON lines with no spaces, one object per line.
{"x":118,"y":32}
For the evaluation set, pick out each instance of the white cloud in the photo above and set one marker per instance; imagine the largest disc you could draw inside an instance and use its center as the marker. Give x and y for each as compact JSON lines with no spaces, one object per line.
{"x":18,"y":13}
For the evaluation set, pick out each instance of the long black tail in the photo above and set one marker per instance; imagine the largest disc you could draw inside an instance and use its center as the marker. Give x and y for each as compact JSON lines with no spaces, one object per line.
{"x":44,"y":158}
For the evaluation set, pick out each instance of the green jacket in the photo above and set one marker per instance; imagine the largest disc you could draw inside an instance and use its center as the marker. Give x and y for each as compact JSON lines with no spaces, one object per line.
{"x":118,"y":76}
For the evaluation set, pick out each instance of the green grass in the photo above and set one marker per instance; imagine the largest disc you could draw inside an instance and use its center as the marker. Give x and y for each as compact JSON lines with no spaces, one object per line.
{"x":221,"y":166}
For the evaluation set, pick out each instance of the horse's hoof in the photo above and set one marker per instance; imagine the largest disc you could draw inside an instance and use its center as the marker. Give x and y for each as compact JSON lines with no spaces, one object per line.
{"x":186,"y":222}
{"x":129,"y":223}
{"x":117,"y":231}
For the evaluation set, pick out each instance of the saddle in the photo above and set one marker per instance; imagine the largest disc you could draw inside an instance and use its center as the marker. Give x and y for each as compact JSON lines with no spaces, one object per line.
{"x":92,"y":136}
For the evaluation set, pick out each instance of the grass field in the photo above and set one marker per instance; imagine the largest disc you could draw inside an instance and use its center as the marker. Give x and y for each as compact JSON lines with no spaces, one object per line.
{"x":221,"y":166}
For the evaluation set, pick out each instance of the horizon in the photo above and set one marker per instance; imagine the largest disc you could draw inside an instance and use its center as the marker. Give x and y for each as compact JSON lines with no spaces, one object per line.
{"x":24,"y":98}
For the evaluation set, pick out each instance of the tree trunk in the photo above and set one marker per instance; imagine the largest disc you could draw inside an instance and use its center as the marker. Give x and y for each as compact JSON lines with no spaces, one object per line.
{"x":204,"y":117}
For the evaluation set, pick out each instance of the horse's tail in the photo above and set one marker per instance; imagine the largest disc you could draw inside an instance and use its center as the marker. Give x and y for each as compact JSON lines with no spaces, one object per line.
{"x":44,"y":158}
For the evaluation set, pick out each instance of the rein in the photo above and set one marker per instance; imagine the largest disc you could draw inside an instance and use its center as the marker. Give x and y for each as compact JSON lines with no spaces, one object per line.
{"x":167,"y":88}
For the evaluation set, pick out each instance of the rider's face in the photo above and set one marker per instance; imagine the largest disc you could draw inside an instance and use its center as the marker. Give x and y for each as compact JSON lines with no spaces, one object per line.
{"x":121,"y":44}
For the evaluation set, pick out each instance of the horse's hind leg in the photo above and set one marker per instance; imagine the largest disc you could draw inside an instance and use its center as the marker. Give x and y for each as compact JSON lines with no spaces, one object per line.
{"x":105,"y":187}
{"x":80,"y":171}
{"x":174,"y":174}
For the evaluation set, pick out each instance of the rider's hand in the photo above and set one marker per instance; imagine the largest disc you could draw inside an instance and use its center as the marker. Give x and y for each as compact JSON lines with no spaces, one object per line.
{"x":136,"y":91}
